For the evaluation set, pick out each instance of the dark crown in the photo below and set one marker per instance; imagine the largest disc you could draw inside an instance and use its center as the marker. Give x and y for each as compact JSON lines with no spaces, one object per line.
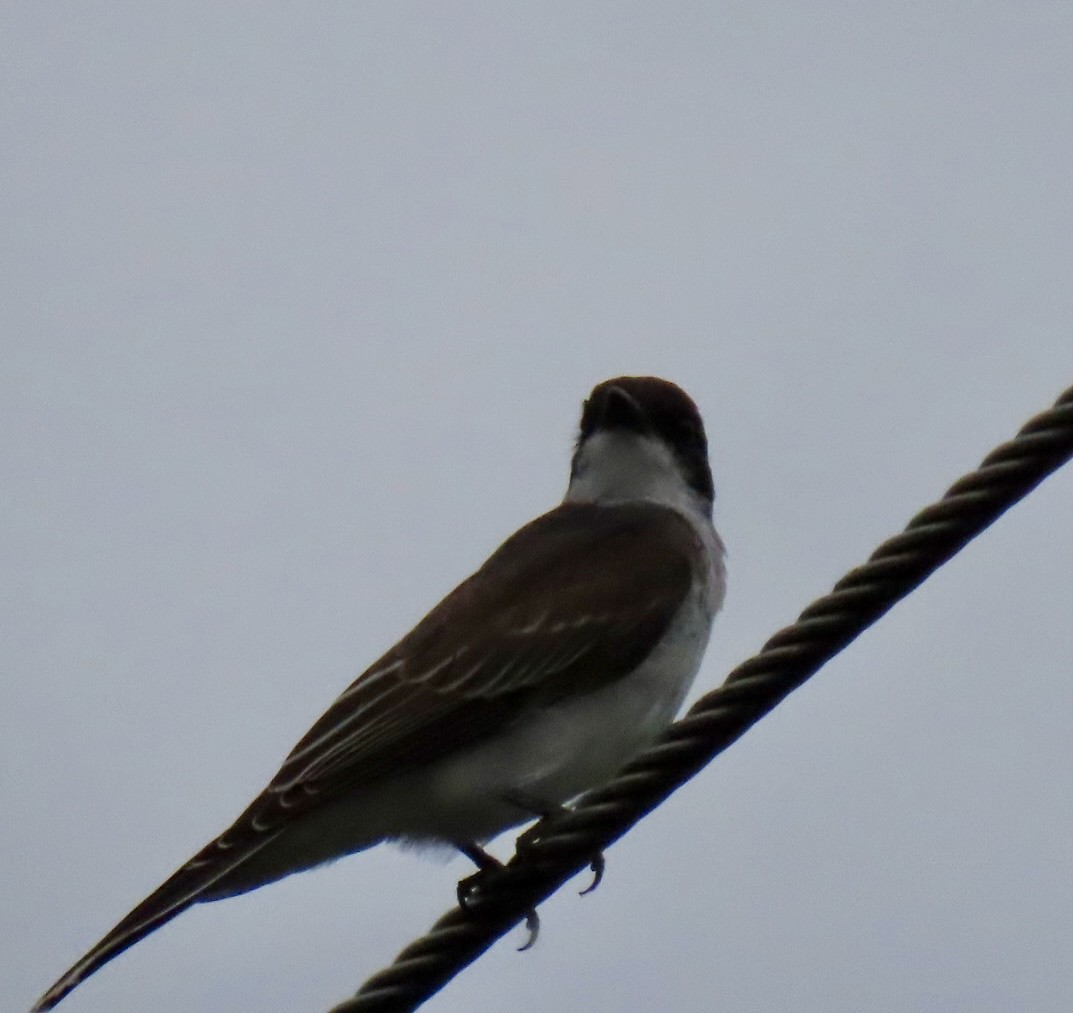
{"x":650,"y":406}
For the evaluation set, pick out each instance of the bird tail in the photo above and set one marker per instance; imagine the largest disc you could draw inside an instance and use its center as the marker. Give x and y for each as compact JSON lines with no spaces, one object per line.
{"x":187,"y":886}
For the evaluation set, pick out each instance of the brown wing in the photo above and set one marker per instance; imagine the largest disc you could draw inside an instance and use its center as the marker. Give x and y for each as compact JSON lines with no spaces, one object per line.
{"x":571,"y":602}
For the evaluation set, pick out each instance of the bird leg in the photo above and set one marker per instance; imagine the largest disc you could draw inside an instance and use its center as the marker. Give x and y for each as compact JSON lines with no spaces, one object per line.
{"x":468,"y":887}
{"x":545,"y":810}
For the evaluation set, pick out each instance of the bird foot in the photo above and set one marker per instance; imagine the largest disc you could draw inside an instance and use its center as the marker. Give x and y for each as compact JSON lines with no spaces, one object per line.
{"x":488,"y":866}
{"x":597,"y":863}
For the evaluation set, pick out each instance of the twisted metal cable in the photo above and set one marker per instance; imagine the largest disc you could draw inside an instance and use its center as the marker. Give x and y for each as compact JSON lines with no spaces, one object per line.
{"x":562,"y":845}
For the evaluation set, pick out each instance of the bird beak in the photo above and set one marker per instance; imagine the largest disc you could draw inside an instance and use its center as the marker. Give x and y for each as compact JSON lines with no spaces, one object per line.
{"x":620,"y":410}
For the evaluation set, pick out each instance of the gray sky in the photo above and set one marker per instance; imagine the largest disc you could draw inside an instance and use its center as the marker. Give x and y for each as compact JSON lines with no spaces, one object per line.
{"x":299,"y":304}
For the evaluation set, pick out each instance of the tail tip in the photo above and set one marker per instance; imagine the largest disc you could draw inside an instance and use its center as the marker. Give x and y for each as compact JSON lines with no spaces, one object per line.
{"x":53,"y":996}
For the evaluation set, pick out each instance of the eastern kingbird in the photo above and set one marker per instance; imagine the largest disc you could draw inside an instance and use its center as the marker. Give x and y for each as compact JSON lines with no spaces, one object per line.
{"x":532,"y":682}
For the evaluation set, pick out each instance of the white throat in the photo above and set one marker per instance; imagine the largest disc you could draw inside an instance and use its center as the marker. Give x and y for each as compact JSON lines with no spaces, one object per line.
{"x":619,"y":466}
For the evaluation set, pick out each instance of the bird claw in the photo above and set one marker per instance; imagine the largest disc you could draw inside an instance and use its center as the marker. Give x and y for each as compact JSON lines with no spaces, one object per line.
{"x":469,"y":887}
{"x":598,"y":864}
{"x":487,"y":865}
{"x":532,"y":926}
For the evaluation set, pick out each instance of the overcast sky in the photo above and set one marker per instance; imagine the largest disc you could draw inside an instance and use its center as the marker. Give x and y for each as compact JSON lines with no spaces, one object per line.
{"x":298,"y":305}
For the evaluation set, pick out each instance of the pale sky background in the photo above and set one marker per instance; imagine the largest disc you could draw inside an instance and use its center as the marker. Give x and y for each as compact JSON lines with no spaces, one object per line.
{"x":298,"y":305}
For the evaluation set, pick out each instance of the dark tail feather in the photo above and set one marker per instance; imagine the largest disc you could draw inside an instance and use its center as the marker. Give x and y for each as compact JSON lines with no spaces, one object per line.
{"x":184,"y":888}
{"x":149,"y":915}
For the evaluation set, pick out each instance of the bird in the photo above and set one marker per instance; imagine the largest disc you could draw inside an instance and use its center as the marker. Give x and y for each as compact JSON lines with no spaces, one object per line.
{"x":533,"y":681}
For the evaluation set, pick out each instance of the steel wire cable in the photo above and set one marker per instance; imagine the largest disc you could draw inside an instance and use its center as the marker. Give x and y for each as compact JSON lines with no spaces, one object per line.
{"x":560,"y":846}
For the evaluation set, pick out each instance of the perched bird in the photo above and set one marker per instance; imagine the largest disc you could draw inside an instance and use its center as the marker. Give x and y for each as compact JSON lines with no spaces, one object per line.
{"x":532,"y":682}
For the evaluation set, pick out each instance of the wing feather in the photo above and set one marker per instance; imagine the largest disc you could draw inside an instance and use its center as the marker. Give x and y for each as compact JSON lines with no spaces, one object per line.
{"x":540,"y":621}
